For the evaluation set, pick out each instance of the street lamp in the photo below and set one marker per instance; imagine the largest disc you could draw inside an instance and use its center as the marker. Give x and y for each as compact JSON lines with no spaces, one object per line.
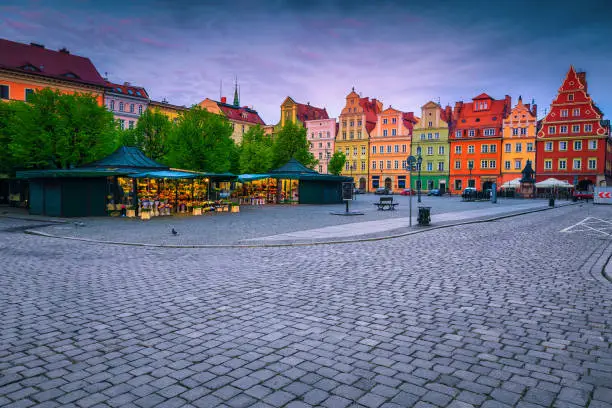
{"x":410,"y":164}
{"x":419,"y":162}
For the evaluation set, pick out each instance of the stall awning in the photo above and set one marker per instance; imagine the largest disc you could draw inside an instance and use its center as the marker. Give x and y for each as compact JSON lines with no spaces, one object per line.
{"x":246,"y":178}
{"x":168,"y":174}
{"x":81,"y":172}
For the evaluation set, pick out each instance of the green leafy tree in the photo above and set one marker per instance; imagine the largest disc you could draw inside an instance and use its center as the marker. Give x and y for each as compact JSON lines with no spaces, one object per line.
{"x":61,"y":131}
{"x":256,"y":151}
{"x":8,"y":112}
{"x":290,"y":142}
{"x":201,"y":141}
{"x":152,"y":134}
{"x":336,"y":163}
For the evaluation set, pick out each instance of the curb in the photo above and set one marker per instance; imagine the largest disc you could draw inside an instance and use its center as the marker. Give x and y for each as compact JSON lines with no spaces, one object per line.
{"x":292,"y":244}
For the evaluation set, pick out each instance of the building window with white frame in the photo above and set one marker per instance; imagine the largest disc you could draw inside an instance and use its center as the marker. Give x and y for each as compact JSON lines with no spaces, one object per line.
{"x":458,"y":134}
{"x":484,"y":148}
{"x":429,"y":166}
{"x":440,"y":150}
{"x":384,"y":132}
{"x":363,"y":150}
{"x":518,"y":148}
{"x":363,"y":165}
{"x":552,"y":130}
{"x":517,"y":164}
{"x":576,"y":112}
{"x":523,"y":131}
{"x":484,"y":164}
{"x":403,"y":148}
{"x":548,"y":146}
{"x":530,"y":147}
{"x":575,"y":128}
{"x":388,"y":164}
{"x":570,"y":97}
{"x":489,"y":132}
{"x":388,"y":148}
{"x":120,"y":106}
{"x":564,"y":113}
{"x":422,"y":136}
{"x":393,"y":132}
{"x":112,"y":105}
{"x":577,"y":164}
{"x":471,"y":132}
{"x":592,"y":144}
{"x":562,"y":146}
{"x":493,"y":148}
{"x":122,"y":124}
{"x":458,"y":149}
{"x":396,"y":164}
{"x":381,"y":149}
{"x":440,"y":166}
{"x":394,"y":120}
{"x":471,"y":149}
{"x":131,"y":124}
{"x":131,"y":108}
{"x":563,"y":129}
{"x":429,"y":150}
{"x":384,"y":121}
{"x":577,"y":145}
{"x":492,"y":164}
{"x":588,"y":128}
{"x":507,"y":165}
{"x":140,"y":109}
{"x":562,"y":164}
{"x":457,"y":164}
{"x":515,"y":131}
{"x":548,"y":164}
{"x":396,"y":148}
{"x":508,"y":148}
{"x":373,"y":149}
{"x":592,"y":164}
{"x":373,"y":164}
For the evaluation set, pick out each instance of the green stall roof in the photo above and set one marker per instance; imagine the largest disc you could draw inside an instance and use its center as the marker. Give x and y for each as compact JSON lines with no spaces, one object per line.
{"x":295,"y":170}
{"x":127,"y":157}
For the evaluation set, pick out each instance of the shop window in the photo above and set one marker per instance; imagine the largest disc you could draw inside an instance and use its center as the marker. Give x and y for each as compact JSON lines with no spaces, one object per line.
{"x":4,"y":92}
{"x":458,"y":185}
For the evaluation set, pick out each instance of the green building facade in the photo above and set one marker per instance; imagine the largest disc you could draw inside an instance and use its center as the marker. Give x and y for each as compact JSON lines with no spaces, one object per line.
{"x":430,"y":140}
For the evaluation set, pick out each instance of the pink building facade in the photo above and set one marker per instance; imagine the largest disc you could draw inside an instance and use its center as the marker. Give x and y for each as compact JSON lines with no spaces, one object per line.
{"x":126,"y":102}
{"x":321,"y":134}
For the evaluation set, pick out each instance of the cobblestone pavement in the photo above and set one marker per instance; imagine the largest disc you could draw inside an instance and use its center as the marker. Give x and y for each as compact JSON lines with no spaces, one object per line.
{"x":497,"y":314}
{"x":262,"y":221}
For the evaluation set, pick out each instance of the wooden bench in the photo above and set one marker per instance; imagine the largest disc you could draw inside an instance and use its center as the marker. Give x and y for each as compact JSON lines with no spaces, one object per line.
{"x":386,"y":203}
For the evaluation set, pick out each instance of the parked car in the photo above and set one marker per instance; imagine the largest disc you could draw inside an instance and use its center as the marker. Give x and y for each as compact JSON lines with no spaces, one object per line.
{"x":359,"y":191}
{"x":383,"y":191}
{"x":582,"y":195}
{"x":434,"y":192}
{"x":469,"y":192}
{"x":407,"y":192}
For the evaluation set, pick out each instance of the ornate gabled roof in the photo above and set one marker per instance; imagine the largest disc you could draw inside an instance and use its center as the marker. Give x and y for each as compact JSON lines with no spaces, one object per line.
{"x":35,"y":59}
{"x":244,"y":113}
{"x":126,"y":157}
{"x":482,"y":96}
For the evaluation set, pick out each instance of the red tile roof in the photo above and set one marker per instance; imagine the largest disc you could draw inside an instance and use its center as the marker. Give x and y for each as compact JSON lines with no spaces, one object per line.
{"x":409,"y":120}
{"x":309,"y":112}
{"x":37,"y":60}
{"x":127,"y":89}
{"x":371,"y":111}
{"x":469,"y":118}
{"x":482,"y":96}
{"x":243,"y":113}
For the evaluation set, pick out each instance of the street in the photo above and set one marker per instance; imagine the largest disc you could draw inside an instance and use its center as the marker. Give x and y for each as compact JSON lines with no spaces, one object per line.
{"x":508,"y":313}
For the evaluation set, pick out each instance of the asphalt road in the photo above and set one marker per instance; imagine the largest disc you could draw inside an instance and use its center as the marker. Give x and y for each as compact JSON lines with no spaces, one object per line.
{"x":507,"y":313}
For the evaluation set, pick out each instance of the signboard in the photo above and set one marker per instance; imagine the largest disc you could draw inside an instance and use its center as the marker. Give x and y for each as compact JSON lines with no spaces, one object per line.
{"x":602,"y":195}
{"x":347,"y":190}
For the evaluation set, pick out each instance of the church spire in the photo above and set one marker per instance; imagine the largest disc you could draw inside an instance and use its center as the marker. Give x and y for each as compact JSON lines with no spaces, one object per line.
{"x":236,"y":97}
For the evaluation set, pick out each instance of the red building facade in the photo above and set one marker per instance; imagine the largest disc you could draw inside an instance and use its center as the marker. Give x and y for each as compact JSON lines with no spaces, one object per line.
{"x":573,"y":140}
{"x":475,"y":142}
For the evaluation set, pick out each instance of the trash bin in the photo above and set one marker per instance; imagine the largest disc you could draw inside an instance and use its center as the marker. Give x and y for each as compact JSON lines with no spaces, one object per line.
{"x":424,"y":215}
{"x":551,"y":202}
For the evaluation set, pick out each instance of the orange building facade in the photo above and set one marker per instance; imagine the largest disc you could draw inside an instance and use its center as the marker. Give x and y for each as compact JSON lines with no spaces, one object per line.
{"x":475,"y":143}
{"x":389,"y":148}
{"x":518,"y":140}
{"x":27,"y":68}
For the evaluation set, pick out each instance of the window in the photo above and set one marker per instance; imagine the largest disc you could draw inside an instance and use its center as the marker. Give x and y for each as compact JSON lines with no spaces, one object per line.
{"x":471,"y":149}
{"x":346,"y":166}
{"x":28,"y":94}
{"x":343,"y":135}
{"x":548,"y":146}
{"x":320,"y":155}
{"x":523,"y":131}
{"x":419,"y":150}
{"x":311,"y":146}
{"x":131,"y":124}
{"x":327,"y":134}
{"x":575,"y":128}
{"x":381,"y":164}
{"x":352,"y":123}
{"x":320,"y":169}
{"x":530,"y":147}
{"x":548,"y":164}
{"x":588,"y":128}
{"x":457,"y":149}
{"x":471,"y":133}
{"x":122,"y":124}
{"x":458,"y":134}
{"x":326,"y":152}
{"x":430,"y":124}
{"x":320,"y":135}
{"x":112,"y":105}
{"x":592,"y":164}
{"x":515,"y":131}
{"x":562,"y":146}
{"x":518,"y":147}
{"x":312,"y":135}
{"x":458,"y":185}
{"x":493,"y":148}
{"x":396,"y":164}
{"x":389,"y":164}
{"x":131,"y":108}
{"x":429,"y":150}
{"x":507,"y":165}
{"x":363,"y":150}
{"x":470,"y":164}
{"x":355,"y":151}
{"x":577,"y":164}
{"x":320,"y":145}
{"x":120,"y":106}
{"x":429,"y":136}
{"x":484,"y":164}
{"x":394,"y":120}
{"x":508,"y":147}
{"x":552,"y":130}
{"x":363,"y":165}
{"x":563,"y":129}
{"x":517,"y":165}
{"x":352,"y":135}
{"x":381,"y":149}
{"x":440,"y":166}
{"x":489,"y":132}
{"x":592,"y":144}
{"x":373,"y":164}
{"x":373,"y":149}
{"x":484,"y":149}
{"x":359,"y":123}
{"x":347,"y":152}
{"x":577,"y":145}
{"x":457,"y":164}
{"x":403,"y":148}
{"x":403,"y":164}
{"x":570,"y":97}
{"x":393,"y":132}
{"x":384,"y":132}
{"x":344,"y":123}
{"x":396,"y":148}
{"x":140,"y":109}
{"x":492,"y":164}
{"x":441,"y":150}
{"x":389,"y":149}
{"x":576,"y":112}
{"x":422,"y":136}
{"x":562,"y":164}
{"x":429,"y":166}
{"x":384,"y":121}
{"x":564,"y":113}
{"x":4,"y":92}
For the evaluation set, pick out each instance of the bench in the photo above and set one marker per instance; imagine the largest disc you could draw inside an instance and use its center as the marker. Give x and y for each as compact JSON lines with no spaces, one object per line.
{"x":385,"y":203}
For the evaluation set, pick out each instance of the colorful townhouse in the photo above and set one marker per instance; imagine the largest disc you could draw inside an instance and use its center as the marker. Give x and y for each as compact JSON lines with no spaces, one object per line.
{"x":126,"y":102}
{"x":26,"y":68}
{"x":430,"y":140}
{"x":574,"y":137}
{"x":475,"y":142}
{"x":242,"y":118}
{"x":357,"y":120}
{"x":321,"y":135}
{"x":390,"y":148}
{"x":292,"y":111}
{"x":168,"y":109}
{"x":518,"y":140}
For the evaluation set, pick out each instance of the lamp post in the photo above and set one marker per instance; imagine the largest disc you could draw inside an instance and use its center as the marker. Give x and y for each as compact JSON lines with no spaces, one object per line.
{"x":410,"y":164}
{"x":470,"y":168}
{"x":353,"y":167}
{"x":419,"y":162}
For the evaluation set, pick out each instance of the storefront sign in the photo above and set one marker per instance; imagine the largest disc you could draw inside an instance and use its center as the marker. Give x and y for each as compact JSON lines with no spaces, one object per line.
{"x":347,"y":190}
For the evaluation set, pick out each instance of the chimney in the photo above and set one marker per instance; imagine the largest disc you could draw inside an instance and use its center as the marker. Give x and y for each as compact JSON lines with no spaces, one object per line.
{"x":582,"y":78}
{"x":37,"y":45}
{"x":126,"y":84}
{"x":223,"y":99}
{"x":64,"y":50}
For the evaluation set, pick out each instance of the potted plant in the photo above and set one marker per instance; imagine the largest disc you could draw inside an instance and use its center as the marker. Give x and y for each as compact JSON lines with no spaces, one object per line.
{"x":145,"y":213}
{"x":197,"y":209}
{"x":130,"y":211}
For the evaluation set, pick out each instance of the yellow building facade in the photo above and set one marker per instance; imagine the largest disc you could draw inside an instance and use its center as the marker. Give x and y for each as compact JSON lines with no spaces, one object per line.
{"x":241,"y":118}
{"x":357,"y":120}
{"x":165,"y":108}
{"x":518,"y":140}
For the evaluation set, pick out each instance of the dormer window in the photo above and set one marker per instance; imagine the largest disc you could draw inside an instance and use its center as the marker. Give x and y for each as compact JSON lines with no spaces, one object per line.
{"x":71,"y":75}
{"x":118,"y":90}
{"x":138,"y":93}
{"x":30,"y":67}
{"x":130,"y":92}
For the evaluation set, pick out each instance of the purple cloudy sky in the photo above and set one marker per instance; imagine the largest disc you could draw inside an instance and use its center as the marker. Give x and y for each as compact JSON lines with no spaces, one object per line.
{"x":402,"y":52}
